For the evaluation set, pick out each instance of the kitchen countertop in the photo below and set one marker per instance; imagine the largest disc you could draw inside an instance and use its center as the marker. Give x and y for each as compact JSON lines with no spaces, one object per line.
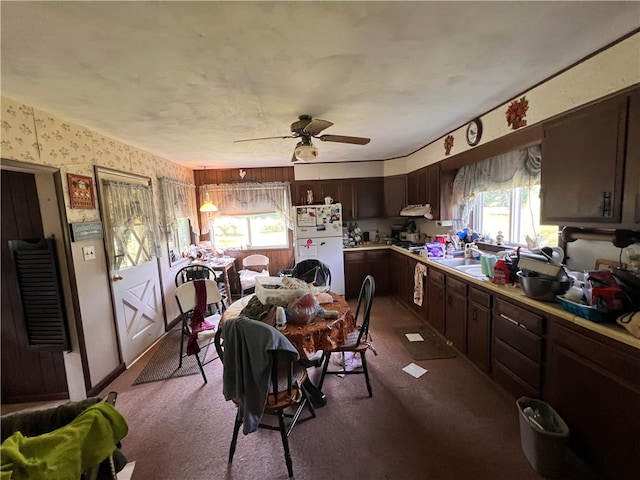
{"x":611,"y":330}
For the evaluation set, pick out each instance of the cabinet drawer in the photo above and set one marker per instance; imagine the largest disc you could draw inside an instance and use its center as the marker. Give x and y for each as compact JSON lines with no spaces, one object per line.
{"x":456,"y":286}
{"x":512,"y":383}
{"x":523,"y":367}
{"x":355,"y":256}
{"x":378,"y":255}
{"x":480,"y":297}
{"x":436,"y":276}
{"x":528,"y":319}
{"x":522,"y":340}
{"x":619,"y":363}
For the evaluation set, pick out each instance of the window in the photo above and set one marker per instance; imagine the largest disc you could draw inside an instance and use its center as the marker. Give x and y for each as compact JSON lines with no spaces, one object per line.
{"x":250,"y":215}
{"x":266,"y":230}
{"x":516,"y":213}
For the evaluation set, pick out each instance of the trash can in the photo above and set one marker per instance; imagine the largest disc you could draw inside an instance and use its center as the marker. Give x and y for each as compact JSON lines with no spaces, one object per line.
{"x":543,"y":435}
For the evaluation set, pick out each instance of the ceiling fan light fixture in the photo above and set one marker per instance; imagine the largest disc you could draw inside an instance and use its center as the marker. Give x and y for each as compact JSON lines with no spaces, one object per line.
{"x":306,"y":152}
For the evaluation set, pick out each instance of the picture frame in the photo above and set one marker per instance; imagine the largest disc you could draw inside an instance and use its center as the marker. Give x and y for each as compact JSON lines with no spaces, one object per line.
{"x":81,"y":191}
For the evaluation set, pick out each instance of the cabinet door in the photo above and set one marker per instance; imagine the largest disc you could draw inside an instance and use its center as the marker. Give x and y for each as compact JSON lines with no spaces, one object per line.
{"x":347,"y":198}
{"x":582,"y":165}
{"x":369,"y":194}
{"x":402,"y":269}
{"x":479,"y":336}
{"x":455,"y":327}
{"x":412,"y":188}
{"x":395,"y":195}
{"x":435,"y":294}
{"x":354,"y":272}
{"x":433,"y":190}
{"x":600,"y":408}
{"x":423,"y":186}
{"x":331,"y":188}
{"x":378,"y":266}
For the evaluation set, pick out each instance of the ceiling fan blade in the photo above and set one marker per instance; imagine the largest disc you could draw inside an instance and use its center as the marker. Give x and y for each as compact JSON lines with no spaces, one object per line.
{"x":344,"y":139}
{"x":263,"y":138}
{"x":316,"y":125}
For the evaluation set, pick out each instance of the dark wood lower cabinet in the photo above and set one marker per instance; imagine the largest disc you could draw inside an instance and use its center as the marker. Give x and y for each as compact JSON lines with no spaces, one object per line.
{"x":595,"y":388}
{"x":360,"y":263}
{"x":517,"y":349}
{"x":479,"y":328}
{"x":436,"y":299}
{"x":455,"y":327}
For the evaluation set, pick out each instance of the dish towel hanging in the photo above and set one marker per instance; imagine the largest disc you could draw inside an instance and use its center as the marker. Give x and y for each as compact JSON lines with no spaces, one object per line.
{"x":418,"y":283}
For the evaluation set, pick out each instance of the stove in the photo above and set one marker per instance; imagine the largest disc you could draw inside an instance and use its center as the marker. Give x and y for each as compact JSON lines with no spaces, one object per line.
{"x":407,"y":245}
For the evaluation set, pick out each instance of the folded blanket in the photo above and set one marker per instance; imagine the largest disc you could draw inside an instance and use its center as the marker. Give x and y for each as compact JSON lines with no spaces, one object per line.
{"x":64,"y":453}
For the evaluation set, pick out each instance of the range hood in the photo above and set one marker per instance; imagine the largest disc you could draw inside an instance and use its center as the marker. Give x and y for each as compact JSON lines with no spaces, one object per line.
{"x":417,"y":211}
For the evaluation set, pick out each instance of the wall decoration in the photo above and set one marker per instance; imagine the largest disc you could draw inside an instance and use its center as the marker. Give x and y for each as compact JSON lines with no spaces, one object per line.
{"x":81,"y":191}
{"x":448,"y":143}
{"x":516,"y":112}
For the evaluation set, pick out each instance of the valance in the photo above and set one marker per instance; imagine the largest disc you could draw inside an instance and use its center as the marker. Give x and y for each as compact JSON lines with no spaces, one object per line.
{"x":519,"y":168}
{"x":248,"y":198}
{"x":179,"y":201}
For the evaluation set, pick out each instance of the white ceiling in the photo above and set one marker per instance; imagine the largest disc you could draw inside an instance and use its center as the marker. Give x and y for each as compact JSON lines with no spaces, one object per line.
{"x":183,"y":80}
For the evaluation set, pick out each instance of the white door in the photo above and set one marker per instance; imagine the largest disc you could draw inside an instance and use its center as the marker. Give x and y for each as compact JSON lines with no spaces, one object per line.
{"x":130,"y":239}
{"x":138,"y":308}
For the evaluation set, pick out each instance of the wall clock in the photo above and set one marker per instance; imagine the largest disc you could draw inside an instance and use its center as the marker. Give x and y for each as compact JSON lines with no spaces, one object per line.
{"x":474,"y":132}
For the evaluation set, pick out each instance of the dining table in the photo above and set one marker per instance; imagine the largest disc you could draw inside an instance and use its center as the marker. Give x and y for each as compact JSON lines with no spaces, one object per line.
{"x":310,"y":339}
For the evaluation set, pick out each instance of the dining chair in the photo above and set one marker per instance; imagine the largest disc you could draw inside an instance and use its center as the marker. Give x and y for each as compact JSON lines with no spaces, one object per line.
{"x":261,"y":375}
{"x":193,"y":272}
{"x":358,"y":343}
{"x":312,"y":271}
{"x":252,"y":266}
{"x":200,"y":304}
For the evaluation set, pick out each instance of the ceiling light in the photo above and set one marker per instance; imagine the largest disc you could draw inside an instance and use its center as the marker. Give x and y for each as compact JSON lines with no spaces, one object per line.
{"x":306,"y":152}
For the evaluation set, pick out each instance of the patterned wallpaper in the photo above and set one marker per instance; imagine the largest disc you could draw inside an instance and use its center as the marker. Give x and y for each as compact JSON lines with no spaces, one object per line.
{"x":34,"y":136}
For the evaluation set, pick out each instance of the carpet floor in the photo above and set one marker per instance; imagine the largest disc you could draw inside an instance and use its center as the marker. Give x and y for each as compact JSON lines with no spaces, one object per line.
{"x":431,"y":347}
{"x":451,"y":423}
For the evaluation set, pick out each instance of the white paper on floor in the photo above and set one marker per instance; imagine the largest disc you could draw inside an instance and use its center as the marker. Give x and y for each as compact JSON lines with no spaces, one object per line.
{"x":415,"y":370}
{"x":414,"y":337}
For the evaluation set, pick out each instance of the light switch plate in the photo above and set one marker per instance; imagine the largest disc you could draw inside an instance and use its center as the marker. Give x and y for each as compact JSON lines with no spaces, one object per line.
{"x":89,"y":253}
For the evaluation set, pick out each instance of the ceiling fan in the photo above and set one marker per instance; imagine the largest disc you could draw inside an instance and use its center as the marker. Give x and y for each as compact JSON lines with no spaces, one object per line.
{"x":306,"y":128}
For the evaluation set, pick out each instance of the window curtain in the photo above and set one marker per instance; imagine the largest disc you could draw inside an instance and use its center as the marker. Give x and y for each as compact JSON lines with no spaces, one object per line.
{"x":248,"y":199}
{"x":520,"y":168}
{"x":128,"y":205}
{"x":179,"y":200}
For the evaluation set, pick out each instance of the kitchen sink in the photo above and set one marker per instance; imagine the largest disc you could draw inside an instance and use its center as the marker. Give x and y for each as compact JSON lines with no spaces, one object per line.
{"x":457,"y":262}
{"x":473,"y":270}
{"x":470,"y":266}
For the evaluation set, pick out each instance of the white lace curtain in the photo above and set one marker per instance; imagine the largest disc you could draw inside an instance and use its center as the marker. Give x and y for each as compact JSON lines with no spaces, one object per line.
{"x":129,"y":205}
{"x":179,"y":200}
{"x":520,"y":168}
{"x":248,"y":198}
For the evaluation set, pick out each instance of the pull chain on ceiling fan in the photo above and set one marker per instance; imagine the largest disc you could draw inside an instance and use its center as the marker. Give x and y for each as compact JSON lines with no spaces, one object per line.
{"x":307,"y":128}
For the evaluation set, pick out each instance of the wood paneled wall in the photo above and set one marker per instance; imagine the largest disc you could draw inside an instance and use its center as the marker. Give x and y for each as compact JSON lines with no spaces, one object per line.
{"x":259,"y":175}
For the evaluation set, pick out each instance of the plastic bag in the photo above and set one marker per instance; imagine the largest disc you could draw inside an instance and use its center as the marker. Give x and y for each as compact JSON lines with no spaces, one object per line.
{"x":303,"y":310}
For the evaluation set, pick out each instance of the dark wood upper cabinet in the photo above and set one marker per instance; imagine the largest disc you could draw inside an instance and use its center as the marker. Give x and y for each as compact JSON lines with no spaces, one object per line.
{"x":433,"y":190}
{"x":583,"y":161}
{"x":369,"y":198}
{"x":395,"y":195}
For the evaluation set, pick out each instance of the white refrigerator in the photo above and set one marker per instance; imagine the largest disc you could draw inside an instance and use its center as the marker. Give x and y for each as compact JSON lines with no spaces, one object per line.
{"x":318,"y":235}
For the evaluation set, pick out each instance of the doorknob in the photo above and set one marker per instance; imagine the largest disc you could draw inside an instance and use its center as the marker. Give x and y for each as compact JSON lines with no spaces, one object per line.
{"x":117,"y":277}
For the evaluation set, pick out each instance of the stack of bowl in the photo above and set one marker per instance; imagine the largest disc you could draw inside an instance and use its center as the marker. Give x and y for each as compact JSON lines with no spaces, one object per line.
{"x":544,"y":287}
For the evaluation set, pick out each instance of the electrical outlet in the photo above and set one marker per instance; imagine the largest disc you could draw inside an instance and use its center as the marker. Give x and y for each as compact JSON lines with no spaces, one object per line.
{"x":89,"y":253}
